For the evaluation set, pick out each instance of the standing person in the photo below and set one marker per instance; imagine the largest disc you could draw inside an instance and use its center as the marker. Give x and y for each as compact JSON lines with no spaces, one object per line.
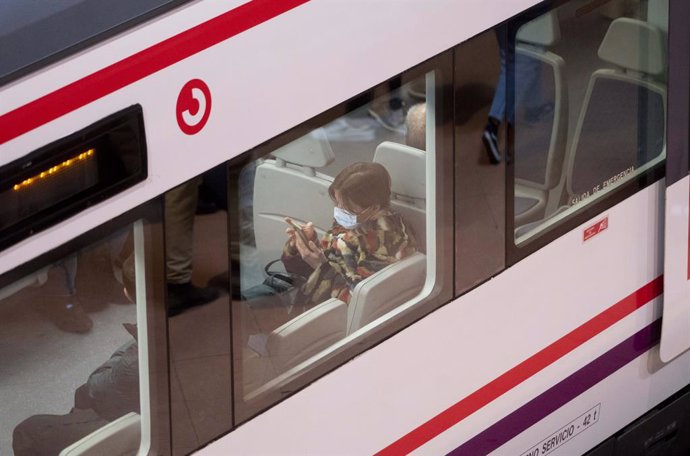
{"x":525,"y":88}
{"x":180,"y":210}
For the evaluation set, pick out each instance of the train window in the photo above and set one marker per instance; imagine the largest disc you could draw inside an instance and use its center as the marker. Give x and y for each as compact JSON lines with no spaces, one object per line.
{"x":199,"y":324}
{"x":343,"y":229}
{"x":82,"y":342}
{"x":32,"y":35}
{"x":480,"y":165}
{"x":587,"y":106}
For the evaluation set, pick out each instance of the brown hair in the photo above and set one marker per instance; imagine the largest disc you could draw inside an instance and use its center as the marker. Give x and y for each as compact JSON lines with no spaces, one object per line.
{"x":362,"y":184}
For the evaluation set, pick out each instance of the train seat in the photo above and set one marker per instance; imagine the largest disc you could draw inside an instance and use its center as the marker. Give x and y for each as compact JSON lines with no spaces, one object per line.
{"x":307,"y":334}
{"x":288,"y":185}
{"x":121,"y":437}
{"x":621,"y":128}
{"x":407,"y":168}
{"x":382,"y":292}
{"x":539,"y":150}
{"x":327,"y":323}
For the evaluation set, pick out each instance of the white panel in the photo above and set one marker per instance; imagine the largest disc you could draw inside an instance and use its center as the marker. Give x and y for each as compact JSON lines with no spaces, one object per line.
{"x":675,"y":332}
{"x":263,"y":82}
{"x":389,"y":391}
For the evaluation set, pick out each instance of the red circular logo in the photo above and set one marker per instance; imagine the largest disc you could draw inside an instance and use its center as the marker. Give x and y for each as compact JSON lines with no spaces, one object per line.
{"x":193,"y":106}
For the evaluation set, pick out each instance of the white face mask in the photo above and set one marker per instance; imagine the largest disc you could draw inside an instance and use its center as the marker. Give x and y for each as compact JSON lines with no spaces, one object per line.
{"x":344,"y":218}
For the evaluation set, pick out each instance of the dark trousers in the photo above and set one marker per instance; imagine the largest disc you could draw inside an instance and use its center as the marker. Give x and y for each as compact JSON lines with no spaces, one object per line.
{"x":47,"y":435}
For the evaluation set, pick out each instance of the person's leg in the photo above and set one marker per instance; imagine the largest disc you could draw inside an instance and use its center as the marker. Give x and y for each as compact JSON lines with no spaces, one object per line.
{"x":498,"y":106}
{"x":530,"y":98}
{"x":47,"y":435}
{"x":180,"y":209}
{"x":65,"y":310}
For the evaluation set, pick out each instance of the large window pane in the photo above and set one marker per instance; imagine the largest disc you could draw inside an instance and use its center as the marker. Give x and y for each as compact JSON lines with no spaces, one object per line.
{"x":74,"y":343}
{"x":199,"y":323}
{"x":337,"y":237}
{"x":588,"y":104}
{"x":479,"y":172}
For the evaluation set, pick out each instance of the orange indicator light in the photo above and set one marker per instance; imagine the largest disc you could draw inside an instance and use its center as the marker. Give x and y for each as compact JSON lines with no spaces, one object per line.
{"x":55,"y":169}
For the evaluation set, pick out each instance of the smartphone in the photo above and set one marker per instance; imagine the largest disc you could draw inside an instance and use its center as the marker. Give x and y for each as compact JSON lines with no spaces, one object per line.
{"x":298,"y":230}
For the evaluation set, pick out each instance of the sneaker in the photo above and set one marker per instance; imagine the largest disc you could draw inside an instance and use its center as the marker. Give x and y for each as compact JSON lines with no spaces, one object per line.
{"x":342,"y":130}
{"x":490,"y":141}
{"x":182,"y":296}
{"x":391,"y":119}
{"x":69,"y":316}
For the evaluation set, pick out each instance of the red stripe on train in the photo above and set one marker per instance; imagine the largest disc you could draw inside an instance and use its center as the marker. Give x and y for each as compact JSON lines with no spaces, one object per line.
{"x":524,"y":370}
{"x":140,"y":65}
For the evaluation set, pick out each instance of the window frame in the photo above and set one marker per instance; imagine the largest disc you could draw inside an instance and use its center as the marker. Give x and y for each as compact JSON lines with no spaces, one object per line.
{"x":550,"y":233}
{"x":158,"y":385}
{"x":442,"y":291}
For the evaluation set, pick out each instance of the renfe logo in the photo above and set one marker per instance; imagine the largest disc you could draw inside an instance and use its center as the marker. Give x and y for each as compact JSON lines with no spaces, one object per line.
{"x":595,"y":229}
{"x":193,"y":106}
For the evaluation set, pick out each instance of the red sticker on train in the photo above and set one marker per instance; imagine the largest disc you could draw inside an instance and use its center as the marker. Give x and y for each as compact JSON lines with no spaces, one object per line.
{"x":595,"y":229}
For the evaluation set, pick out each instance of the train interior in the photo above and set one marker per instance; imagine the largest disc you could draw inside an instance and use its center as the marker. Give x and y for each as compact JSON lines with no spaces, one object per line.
{"x":577,"y":87}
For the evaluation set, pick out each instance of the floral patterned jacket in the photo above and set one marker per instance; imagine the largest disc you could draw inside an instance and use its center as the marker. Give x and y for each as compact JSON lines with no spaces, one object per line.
{"x":352,"y":255}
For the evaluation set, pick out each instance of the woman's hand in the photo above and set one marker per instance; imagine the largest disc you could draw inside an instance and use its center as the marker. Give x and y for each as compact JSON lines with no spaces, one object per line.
{"x":311,"y":254}
{"x":306,"y":245}
{"x":306,"y":232}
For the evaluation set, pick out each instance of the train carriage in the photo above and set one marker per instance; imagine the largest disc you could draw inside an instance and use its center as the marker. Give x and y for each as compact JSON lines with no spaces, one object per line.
{"x":522,"y":287}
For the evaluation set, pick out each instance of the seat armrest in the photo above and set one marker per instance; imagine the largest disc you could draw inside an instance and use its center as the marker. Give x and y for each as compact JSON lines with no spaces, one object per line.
{"x":121,"y":437}
{"x":307,"y":334}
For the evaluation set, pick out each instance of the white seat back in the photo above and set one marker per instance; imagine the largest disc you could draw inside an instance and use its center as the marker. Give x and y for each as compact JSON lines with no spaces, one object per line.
{"x":407,"y":168}
{"x":385,"y":290}
{"x":289,"y":186}
{"x":542,"y":31}
{"x":622,"y":122}
{"x":120,"y":437}
{"x":540,"y":149}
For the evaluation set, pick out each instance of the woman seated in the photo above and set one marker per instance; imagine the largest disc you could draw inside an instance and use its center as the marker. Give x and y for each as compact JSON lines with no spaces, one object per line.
{"x":366,"y":236}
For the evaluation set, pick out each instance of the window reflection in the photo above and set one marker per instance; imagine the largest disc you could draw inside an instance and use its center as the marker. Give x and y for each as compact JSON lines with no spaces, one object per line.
{"x":602,"y":69}
{"x":70,"y":351}
{"x":333,"y":237}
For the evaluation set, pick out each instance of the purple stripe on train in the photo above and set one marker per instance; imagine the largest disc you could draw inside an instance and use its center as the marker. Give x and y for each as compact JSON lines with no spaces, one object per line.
{"x":561,"y":393}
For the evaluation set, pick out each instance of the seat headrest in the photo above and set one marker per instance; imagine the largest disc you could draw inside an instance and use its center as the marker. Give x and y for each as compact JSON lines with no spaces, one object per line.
{"x":634,"y":45}
{"x":312,"y":150}
{"x":406,"y":166}
{"x":542,"y":31}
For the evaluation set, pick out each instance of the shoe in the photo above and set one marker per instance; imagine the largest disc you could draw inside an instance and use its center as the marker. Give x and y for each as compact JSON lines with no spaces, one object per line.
{"x":70,"y":316}
{"x":182,"y":296}
{"x":342,"y":130}
{"x":392,"y":119}
{"x":490,"y":141}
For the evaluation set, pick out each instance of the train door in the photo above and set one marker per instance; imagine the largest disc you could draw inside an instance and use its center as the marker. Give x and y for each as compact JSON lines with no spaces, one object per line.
{"x":675,"y":337}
